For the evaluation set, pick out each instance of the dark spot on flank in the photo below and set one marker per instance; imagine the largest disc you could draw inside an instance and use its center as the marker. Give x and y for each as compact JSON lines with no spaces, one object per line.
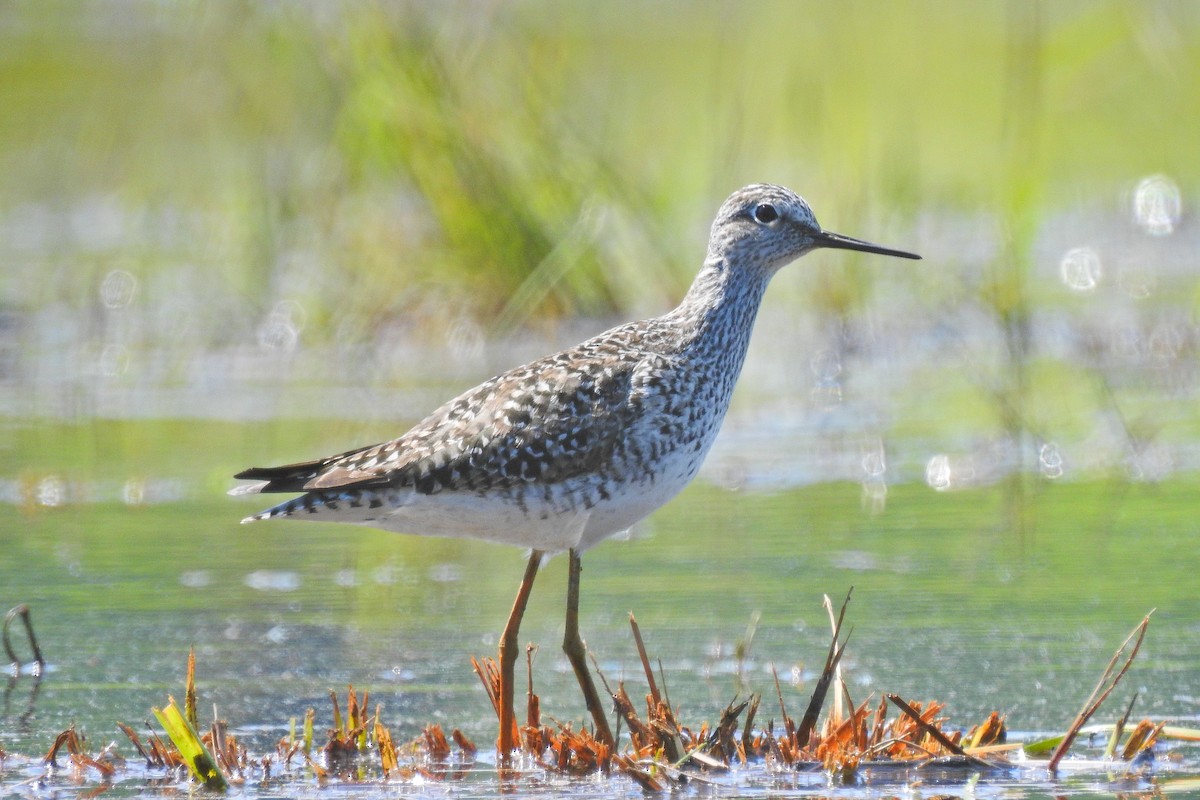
{"x":532,"y":465}
{"x":443,"y":476}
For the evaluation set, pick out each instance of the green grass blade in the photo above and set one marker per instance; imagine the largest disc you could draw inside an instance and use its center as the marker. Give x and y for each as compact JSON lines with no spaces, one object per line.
{"x":1042,"y":746}
{"x":183,"y":735}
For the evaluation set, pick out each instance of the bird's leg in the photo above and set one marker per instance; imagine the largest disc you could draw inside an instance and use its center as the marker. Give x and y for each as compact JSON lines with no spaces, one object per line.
{"x":576,"y":651}
{"x":508,"y":658}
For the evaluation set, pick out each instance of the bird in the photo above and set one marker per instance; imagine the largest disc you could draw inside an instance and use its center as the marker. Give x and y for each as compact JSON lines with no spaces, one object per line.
{"x":567,"y":450}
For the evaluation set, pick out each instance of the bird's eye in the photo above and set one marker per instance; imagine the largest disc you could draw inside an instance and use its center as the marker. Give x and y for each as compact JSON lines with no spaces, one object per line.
{"x":765,"y":213}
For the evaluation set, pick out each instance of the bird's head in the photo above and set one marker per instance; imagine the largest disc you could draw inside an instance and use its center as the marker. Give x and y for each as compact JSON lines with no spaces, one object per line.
{"x":770,"y":226}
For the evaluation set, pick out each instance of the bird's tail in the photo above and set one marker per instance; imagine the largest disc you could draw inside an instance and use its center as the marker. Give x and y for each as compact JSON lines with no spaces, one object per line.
{"x":352,"y":505}
{"x":297,"y":478}
{"x":305,"y":504}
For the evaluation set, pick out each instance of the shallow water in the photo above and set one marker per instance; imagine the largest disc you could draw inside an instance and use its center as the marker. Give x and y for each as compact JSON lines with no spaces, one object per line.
{"x":952,"y":601}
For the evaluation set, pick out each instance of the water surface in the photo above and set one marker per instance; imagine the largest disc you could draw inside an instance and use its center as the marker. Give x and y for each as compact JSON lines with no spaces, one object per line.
{"x":951,"y":602}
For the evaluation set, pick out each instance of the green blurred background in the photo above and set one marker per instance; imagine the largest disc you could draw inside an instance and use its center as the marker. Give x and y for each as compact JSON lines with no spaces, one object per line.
{"x":250,"y":233}
{"x":203,"y":203}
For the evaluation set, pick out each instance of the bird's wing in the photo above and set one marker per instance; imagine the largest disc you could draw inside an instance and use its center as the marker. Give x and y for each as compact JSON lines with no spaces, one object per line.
{"x":545,"y":422}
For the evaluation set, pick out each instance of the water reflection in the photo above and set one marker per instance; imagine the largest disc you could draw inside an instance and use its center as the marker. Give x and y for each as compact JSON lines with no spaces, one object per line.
{"x":30,"y":672}
{"x":196,"y":578}
{"x":726,"y":588}
{"x":272,"y":581}
{"x":36,"y":661}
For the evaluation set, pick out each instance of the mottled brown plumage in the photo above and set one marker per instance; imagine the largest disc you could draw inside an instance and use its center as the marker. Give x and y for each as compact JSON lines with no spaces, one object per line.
{"x":578,"y":445}
{"x":569,"y":449}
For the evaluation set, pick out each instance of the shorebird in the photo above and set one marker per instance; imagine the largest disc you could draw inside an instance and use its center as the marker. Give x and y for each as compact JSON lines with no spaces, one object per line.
{"x":560,"y":453}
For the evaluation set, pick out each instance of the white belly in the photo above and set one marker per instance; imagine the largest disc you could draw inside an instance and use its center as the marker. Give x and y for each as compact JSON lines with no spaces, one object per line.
{"x":638,"y":501}
{"x":459,"y":515}
{"x":552,"y":528}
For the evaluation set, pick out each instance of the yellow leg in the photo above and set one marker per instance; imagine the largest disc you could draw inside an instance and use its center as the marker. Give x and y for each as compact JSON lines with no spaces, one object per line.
{"x":508,"y":659}
{"x":576,"y":651}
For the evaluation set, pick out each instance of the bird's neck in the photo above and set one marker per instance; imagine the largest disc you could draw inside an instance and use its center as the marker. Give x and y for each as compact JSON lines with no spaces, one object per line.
{"x":717,"y":313}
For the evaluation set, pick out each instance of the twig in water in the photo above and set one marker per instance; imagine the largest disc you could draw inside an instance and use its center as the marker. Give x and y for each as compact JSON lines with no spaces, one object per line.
{"x":748,"y":727}
{"x":932,"y":730}
{"x":489,"y":676}
{"x":22,"y":611}
{"x":641,"y":648}
{"x":788,"y":726}
{"x":809,"y":722}
{"x":608,"y":691}
{"x":1103,"y":689}
{"x":1119,"y":728}
{"x":533,"y":704}
{"x":189,"y":693}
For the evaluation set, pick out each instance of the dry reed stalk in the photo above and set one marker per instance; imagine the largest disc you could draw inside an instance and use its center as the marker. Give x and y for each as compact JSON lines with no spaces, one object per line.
{"x":1104,"y":687}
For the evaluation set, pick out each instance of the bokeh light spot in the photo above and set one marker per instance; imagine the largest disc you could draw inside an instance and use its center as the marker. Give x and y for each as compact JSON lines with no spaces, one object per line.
{"x":133,"y":492}
{"x":938,"y":474}
{"x":281,"y":329}
{"x":51,"y":492}
{"x":1050,"y":461}
{"x":1080,"y":269}
{"x":118,"y":289}
{"x":1157,"y":205}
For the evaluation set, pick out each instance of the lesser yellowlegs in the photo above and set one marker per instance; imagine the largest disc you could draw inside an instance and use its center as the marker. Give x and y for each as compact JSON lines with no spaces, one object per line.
{"x":565,"y":451}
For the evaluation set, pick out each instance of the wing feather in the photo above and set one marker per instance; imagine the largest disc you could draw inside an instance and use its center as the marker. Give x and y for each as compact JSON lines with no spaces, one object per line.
{"x":549,"y":421}
{"x":546,"y":422}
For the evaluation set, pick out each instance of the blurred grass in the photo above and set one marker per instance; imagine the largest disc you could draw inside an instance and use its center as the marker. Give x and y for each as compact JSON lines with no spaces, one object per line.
{"x":534,"y":159}
{"x":369,"y":175}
